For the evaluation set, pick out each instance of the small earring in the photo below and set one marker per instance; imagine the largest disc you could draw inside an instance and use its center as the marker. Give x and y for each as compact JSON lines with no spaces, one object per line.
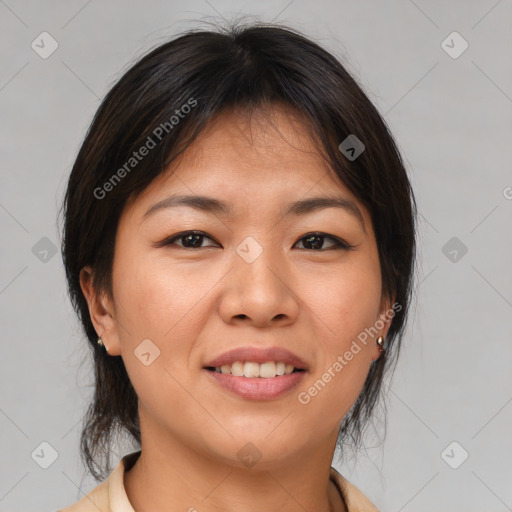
{"x":102,"y":345}
{"x":380,"y":342}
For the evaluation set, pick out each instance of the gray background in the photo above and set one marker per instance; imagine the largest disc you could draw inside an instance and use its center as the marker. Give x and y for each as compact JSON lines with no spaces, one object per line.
{"x":452,"y":120}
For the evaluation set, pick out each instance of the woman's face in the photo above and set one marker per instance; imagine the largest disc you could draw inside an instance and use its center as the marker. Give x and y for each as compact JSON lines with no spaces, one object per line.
{"x":252,"y":280}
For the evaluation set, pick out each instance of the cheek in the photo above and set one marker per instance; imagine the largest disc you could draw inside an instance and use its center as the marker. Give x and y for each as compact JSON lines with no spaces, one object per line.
{"x":348,"y":300}
{"x":154,"y":298}
{"x":346,"y":305}
{"x":161,"y":303}
{"x":156,"y":304}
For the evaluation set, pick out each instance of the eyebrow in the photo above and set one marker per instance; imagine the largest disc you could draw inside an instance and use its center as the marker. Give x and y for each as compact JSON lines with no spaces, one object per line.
{"x":215,"y":206}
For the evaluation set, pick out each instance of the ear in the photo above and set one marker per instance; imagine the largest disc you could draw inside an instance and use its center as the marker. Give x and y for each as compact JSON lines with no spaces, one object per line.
{"x":387,"y":311}
{"x":101,"y":310}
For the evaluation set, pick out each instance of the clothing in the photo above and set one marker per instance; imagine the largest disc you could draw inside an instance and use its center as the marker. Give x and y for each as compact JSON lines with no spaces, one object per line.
{"x":110,"y":495}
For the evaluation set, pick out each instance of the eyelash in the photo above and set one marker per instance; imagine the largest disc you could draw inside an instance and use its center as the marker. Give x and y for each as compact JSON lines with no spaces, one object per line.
{"x":339,"y":243}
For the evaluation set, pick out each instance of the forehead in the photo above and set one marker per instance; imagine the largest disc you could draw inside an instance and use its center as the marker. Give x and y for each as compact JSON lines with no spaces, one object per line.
{"x":240,"y":157}
{"x":272,"y":134}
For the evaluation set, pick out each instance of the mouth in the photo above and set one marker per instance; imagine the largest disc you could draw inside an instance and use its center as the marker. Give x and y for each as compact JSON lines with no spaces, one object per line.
{"x":257,"y":373}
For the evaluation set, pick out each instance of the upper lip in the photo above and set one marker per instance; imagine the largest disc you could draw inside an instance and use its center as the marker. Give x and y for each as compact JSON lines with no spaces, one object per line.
{"x":257,"y":355}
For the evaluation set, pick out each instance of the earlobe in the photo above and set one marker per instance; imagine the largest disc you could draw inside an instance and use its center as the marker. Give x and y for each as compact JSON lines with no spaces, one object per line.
{"x":386,"y":315}
{"x":379,"y":348}
{"x":100,"y":308}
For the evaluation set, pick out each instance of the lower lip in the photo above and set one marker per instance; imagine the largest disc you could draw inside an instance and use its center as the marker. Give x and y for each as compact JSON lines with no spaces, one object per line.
{"x":258,"y":388}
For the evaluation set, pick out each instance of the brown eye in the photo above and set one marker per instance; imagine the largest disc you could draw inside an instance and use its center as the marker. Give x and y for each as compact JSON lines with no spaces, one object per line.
{"x":189,"y":239}
{"x":315,"y":241}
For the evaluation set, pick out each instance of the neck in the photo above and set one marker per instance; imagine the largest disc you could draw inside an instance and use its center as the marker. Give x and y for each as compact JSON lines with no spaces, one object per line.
{"x":170,"y":475}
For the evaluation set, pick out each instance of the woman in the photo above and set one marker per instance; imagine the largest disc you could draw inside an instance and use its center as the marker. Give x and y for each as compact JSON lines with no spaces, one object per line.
{"x":239,"y":245}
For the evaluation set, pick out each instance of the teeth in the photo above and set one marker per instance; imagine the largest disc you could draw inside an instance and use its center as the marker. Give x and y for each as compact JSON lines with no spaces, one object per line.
{"x":237,"y":369}
{"x":253,"y":370}
{"x":267,"y":370}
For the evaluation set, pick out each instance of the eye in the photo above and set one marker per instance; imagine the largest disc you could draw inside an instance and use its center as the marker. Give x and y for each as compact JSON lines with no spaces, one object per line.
{"x":191,"y":240}
{"x":316,"y":241}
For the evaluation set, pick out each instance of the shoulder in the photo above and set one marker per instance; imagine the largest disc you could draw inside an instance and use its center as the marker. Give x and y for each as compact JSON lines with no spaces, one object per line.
{"x":110,"y":495}
{"x":95,"y":500}
{"x":356,"y":501}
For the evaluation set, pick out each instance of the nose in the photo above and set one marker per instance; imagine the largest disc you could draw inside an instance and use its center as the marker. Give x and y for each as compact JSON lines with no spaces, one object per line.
{"x":260,"y":293}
